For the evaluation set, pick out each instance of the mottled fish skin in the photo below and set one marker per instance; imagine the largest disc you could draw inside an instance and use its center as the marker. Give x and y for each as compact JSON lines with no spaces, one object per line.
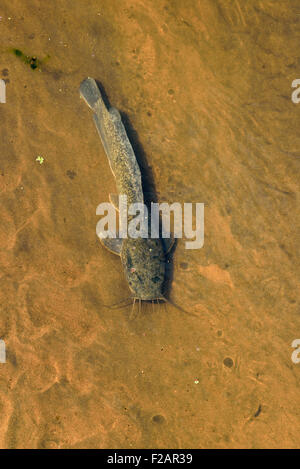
{"x":144,"y":266}
{"x":143,"y":259}
{"x":117,"y":147}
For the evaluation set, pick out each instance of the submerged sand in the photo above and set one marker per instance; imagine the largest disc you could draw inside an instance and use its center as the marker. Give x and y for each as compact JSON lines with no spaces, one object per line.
{"x":206,"y":87}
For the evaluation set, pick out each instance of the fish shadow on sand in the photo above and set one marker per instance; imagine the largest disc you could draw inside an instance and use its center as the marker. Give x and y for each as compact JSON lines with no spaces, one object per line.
{"x":148,"y":184}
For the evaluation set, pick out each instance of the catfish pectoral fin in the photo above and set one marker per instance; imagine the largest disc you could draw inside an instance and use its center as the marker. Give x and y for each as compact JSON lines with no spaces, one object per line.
{"x":114,"y":199}
{"x":113,"y":245}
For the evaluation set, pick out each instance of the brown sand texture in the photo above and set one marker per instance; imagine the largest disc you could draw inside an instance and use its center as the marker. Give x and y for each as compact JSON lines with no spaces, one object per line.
{"x":206,"y":88}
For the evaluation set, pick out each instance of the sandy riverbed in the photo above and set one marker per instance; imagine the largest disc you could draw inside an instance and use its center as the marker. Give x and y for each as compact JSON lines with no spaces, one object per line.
{"x":206,"y":87}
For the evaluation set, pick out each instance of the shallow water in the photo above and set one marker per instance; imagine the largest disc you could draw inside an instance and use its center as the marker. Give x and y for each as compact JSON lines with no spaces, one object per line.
{"x":206,"y":88}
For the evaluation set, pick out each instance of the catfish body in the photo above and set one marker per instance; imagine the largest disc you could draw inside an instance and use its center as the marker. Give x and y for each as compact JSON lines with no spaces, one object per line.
{"x":114,"y":139}
{"x":143,"y":259}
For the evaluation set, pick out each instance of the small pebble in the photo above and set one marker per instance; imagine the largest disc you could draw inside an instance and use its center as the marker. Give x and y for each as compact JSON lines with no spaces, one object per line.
{"x":228,"y":362}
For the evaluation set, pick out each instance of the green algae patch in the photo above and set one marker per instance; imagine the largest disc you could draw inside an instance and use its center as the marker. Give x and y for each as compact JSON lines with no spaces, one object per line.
{"x":40,"y":159}
{"x":30,"y":60}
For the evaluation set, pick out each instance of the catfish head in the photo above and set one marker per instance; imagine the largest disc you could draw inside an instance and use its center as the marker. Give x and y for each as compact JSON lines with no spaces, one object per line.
{"x":143,"y":262}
